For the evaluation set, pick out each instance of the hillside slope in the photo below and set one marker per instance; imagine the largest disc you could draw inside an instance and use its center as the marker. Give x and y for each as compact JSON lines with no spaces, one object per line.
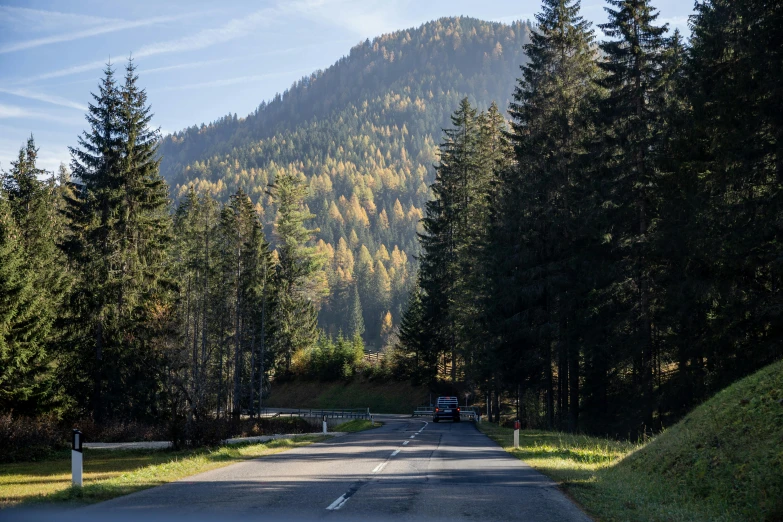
{"x":727,"y":453}
{"x":722,"y":463}
{"x":364,"y":135}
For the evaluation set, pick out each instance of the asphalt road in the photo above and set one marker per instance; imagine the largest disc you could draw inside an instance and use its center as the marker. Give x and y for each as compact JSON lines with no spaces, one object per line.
{"x":409,"y":469}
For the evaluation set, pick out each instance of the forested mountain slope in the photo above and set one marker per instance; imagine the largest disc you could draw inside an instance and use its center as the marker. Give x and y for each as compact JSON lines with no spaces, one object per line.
{"x":364,"y":134}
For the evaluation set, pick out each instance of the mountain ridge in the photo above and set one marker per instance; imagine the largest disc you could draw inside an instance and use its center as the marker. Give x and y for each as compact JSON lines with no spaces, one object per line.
{"x":363,"y":135}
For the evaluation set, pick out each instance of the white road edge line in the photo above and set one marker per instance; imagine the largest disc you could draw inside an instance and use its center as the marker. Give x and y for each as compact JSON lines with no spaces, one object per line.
{"x":395,"y":452}
{"x":337,"y":504}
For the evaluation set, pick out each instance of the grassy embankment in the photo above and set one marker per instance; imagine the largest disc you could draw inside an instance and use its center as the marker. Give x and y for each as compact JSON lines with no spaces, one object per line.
{"x":109,"y":473}
{"x":383,"y":397}
{"x":723,"y":462}
{"x":358,"y":425}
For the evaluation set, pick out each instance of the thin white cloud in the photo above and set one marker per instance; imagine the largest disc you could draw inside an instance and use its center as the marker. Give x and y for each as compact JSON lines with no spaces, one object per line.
{"x":24,"y":19}
{"x":93,"y":31}
{"x":67,"y":71}
{"x":365,"y":18}
{"x":190,"y":65}
{"x":39,"y":96}
{"x":244,"y":57}
{"x":233,"y":29}
{"x":16,"y":112}
{"x":232,"y":81}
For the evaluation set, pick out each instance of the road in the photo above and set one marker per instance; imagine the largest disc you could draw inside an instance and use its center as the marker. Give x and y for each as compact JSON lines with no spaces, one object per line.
{"x":409,"y":469}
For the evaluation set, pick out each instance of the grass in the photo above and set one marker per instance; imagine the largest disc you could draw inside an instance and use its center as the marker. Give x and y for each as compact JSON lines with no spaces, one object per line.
{"x":109,"y":473}
{"x":380,"y":397}
{"x":358,"y":425}
{"x":723,"y":462}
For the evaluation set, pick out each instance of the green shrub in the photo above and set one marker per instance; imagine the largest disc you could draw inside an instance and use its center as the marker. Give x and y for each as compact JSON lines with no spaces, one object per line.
{"x":330,"y":359}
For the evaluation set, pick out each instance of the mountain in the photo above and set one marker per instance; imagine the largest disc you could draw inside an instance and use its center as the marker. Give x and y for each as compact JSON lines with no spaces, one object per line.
{"x":363,"y":134}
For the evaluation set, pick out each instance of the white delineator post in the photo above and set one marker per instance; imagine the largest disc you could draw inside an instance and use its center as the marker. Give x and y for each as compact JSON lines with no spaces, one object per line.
{"x":324,"y":424}
{"x":516,"y":434}
{"x":76,"y":458}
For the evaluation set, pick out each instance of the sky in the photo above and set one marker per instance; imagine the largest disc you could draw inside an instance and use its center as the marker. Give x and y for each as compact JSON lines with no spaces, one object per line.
{"x":198,"y":60}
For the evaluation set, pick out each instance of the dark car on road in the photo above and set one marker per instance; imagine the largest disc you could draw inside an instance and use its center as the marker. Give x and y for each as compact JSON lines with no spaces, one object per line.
{"x":446,"y":408}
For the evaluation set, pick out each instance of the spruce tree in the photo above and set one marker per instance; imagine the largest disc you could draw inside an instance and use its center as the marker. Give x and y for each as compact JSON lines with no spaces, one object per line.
{"x":540,"y":230}
{"x":446,"y":232}
{"x":734,"y":89}
{"x":418,"y":361}
{"x":299,"y":277}
{"x":355,"y":317}
{"x":32,"y":204}
{"x":24,"y":384}
{"x":631,"y":125}
{"x":119,"y":233}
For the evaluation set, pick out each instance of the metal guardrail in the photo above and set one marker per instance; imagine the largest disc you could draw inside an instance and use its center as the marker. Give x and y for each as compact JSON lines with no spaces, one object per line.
{"x":351,"y":413}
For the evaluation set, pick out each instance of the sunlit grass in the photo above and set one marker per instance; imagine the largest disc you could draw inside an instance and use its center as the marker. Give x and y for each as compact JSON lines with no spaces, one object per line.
{"x":358,"y":425}
{"x":587,"y":470}
{"x":110,"y":473}
{"x":723,"y":462}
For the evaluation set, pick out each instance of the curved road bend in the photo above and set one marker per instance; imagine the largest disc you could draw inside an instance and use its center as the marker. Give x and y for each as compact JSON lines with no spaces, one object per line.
{"x":408,"y":469}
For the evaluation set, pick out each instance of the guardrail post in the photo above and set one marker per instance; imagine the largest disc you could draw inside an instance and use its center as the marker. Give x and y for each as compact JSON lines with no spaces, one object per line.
{"x":76,"y":458}
{"x":516,"y":434}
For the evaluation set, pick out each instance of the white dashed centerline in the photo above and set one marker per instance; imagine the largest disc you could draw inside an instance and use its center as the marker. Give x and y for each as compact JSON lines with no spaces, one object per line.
{"x":380,"y":467}
{"x":337,"y":504}
{"x":405,"y":443}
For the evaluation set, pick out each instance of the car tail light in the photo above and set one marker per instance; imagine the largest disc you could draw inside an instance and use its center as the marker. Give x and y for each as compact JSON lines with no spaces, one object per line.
{"x":457,"y":410}
{"x":437,"y":409}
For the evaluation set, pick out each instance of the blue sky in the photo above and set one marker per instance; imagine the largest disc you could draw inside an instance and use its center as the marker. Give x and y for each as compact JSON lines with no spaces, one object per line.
{"x":197,"y":60}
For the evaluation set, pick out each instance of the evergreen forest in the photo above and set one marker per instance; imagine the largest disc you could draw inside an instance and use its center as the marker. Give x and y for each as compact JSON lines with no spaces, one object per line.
{"x":584,"y":221}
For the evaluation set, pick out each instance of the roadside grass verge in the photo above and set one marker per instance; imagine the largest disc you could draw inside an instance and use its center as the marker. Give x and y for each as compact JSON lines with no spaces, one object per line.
{"x":113,"y":473}
{"x":586,"y":469}
{"x":722,"y":462}
{"x":358,"y":425}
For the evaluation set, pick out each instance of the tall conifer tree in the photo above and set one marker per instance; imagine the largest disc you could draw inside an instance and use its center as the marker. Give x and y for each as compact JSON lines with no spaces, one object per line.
{"x":299,"y":277}
{"x":119,"y":222}
{"x":541,"y":222}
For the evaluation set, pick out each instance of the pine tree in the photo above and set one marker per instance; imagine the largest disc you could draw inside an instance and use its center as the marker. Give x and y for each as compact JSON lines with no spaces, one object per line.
{"x":540,"y":229}
{"x":734,"y":158}
{"x":24,"y":383}
{"x":244,"y":269}
{"x":446,"y":232}
{"x":32,"y":203}
{"x":355,"y":315}
{"x":299,"y":273}
{"x":419,"y":361}
{"x":477,"y":304}
{"x":631,"y":121}
{"x":119,"y":234}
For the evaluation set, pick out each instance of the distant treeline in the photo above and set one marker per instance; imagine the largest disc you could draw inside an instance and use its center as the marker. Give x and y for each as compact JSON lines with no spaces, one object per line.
{"x":615,"y":256}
